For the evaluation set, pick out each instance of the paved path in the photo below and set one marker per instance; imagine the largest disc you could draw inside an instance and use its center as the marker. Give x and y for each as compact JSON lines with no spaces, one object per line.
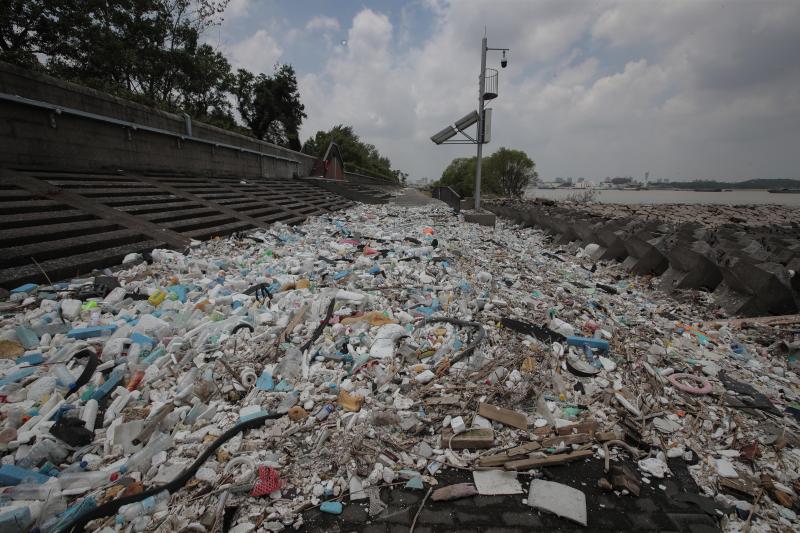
{"x":413,"y":198}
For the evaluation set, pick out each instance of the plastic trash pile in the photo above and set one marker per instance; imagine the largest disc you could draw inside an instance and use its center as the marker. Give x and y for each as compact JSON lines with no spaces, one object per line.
{"x":259,"y":376}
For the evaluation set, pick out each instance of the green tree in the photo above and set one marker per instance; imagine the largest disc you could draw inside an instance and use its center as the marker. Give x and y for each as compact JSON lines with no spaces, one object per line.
{"x":135,"y":47}
{"x":150,"y":51}
{"x":510,"y":172}
{"x":26,"y":29}
{"x":141,"y":49}
{"x":460,"y":176}
{"x":358,"y":155}
{"x":205,"y":84}
{"x":270,"y":105}
{"x":506,"y":172}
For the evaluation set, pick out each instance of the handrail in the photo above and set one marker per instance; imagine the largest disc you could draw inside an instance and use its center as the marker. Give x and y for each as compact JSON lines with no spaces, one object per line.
{"x":58,"y":110}
{"x":448,"y":196}
{"x":364,"y":172}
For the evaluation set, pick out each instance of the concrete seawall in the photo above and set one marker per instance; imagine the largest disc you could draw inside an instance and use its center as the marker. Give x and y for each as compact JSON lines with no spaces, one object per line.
{"x":50,"y":123}
{"x":748,"y":256}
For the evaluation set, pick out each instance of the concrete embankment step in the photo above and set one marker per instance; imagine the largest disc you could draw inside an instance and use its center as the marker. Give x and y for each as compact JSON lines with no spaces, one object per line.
{"x":367,"y":193}
{"x":751,"y":269}
{"x":64,"y":224}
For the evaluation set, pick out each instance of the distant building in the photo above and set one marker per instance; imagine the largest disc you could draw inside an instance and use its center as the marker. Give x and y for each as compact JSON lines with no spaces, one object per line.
{"x":622,"y":182}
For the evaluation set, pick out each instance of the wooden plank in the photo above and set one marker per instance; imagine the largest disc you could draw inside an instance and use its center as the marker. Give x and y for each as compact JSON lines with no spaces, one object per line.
{"x":578,"y":438}
{"x":502,"y":415}
{"x":553,"y":460}
{"x":514,"y":454}
{"x":528,"y":447}
{"x":497,"y":460}
{"x":744,"y":486}
{"x":587,"y":426}
{"x":451,"y":399}
{"x":478,"y":439}
{"x":605,"y":436}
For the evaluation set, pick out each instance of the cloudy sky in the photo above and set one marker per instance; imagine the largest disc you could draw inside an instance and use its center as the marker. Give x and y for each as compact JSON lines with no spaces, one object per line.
{"x":683,"y":89}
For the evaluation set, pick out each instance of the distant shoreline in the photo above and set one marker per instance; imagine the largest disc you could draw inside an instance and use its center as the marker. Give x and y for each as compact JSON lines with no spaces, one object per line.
{"x":633,"y":196}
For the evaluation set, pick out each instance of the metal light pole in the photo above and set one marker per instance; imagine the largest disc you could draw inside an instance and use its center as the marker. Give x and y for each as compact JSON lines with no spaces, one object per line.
{"x":479,"y":137}
{"x":481,"y":113}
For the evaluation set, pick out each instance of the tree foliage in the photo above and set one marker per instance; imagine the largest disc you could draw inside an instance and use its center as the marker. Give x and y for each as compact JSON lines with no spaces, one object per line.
{"x":511,"y":172}
{"x":358,"y":155}
{"x":150,"y":51}
{"x":506,"y":172}
{"x":460,"y":176}
{"x":270,"y":105}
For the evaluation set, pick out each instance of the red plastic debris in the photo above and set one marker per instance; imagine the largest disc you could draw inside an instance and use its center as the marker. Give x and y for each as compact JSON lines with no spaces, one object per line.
{"x":268,"y":482}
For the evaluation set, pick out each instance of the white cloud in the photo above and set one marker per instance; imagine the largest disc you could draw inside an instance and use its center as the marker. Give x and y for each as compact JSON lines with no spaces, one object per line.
{"x":682,"y":89}
{"x":257,"y":53}
{"x":237,"y":9}
{"x":322,"y":23}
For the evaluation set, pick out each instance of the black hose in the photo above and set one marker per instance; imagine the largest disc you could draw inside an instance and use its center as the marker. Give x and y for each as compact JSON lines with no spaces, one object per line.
{"x":110,"y":508}
{"x":320,"y":327}
{"x":463,"y":323}
{"x":88,"y":370}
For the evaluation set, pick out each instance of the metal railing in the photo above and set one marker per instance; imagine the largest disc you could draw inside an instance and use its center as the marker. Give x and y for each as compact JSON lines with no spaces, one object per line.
{"x":448,"y":196}
{"x":61,"y":110}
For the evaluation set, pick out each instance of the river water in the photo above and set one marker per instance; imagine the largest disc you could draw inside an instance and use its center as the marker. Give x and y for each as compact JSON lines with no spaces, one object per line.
{"x":735,"y":197}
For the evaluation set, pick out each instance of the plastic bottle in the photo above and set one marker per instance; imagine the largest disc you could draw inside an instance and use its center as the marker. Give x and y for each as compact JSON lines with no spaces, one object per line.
{"x":27,"y":337}
{"x":86,"y":480}
{"x":40,"y":388}
{"x":290,"y":366}
{"x":558,"y":386}
{"x":80,"y":466}
{"x":142,"y":508}
{"x":135,"y":380}
{"x":559,"y":326}
{"x":34,"y":491}
{"x":141,"y":459}
{"x":17,"y":520}
{"x":123,"y":395}
{"x":157,"y":297}
{"x":113,"y":379}
{"x":44,"y":449}
{"x":89,"y":415}
{"x":65,"y":378}
{"x":592,"y":357}
{"x":288,"y":402}
{"x":155,"y":354}
{"x":325,"y":412}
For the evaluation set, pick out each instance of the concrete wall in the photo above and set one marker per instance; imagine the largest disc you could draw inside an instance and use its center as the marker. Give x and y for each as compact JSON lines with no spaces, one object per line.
{"x":36,"y":137}
{"x":356,"y":177}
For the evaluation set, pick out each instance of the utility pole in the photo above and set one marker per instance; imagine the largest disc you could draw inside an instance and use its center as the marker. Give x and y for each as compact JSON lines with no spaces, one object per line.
{"x":477,"y":117}
{"x":479,"y":137}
